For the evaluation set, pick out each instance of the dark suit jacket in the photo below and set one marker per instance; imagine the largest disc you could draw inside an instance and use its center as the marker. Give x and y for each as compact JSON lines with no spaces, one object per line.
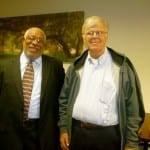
{"x":11,"y":103}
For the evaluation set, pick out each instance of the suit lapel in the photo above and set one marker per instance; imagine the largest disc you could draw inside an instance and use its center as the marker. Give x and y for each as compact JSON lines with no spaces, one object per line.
{"x":16,"y":75}
{"x":45,"y":75}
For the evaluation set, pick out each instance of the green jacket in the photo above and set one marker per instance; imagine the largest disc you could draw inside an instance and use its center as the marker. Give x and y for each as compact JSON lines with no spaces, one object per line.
{"x":130,"y":104}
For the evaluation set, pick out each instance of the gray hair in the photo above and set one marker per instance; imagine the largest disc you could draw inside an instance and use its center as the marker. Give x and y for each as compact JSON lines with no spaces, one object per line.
{"x":28,"y":30}
{"x":93,"y":21}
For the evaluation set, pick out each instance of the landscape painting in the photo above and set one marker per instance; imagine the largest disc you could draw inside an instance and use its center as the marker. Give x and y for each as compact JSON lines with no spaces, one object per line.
{"x":63,"y":31}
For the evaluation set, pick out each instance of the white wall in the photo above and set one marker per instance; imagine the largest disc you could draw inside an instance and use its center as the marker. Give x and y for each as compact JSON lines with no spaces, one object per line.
{"x":129,"y":26}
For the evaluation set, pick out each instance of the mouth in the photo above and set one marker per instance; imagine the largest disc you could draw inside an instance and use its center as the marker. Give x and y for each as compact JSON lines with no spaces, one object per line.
{"x":33,"y":48}
{"x":95,"y":42}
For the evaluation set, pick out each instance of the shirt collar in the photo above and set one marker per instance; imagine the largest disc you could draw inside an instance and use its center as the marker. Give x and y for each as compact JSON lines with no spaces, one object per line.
{"x":24,"y":59}
{"x":100,"y":60}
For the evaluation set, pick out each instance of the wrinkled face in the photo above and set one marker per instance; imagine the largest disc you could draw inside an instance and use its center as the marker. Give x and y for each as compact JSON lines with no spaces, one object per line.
{"x":95,"y":38}
{"x":33,"y":43}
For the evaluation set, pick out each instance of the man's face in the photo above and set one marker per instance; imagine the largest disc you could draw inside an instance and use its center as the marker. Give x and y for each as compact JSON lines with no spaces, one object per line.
{"x":33,"y":43}
{"x":95,"y":39}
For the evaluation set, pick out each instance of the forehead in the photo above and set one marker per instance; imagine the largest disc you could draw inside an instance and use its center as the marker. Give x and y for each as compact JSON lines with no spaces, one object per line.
{"x":35,"y":32}
{"x":99,"y":26}
{"x":95,"y":22}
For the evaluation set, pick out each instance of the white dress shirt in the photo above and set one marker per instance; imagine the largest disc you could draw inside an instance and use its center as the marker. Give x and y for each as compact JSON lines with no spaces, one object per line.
{"x":34,"y":108}
{"x":96,"y":101}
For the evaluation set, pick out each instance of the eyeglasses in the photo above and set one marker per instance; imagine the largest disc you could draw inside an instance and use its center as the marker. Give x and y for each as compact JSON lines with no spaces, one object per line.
{"x":98,"y":33}
{"x":34,"y":38}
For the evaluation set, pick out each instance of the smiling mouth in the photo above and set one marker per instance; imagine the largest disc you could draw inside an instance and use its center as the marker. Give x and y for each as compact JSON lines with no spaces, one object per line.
{"x":94,"y":43}
{"x":34,"y":48}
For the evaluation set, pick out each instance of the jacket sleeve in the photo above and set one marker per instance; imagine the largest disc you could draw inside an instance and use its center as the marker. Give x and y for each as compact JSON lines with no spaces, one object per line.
{"x":63,"y":102}
{"x":134,"y":106}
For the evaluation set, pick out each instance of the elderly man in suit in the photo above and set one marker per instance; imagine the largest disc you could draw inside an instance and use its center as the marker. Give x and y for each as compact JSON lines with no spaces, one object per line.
{"x":38,"y":131}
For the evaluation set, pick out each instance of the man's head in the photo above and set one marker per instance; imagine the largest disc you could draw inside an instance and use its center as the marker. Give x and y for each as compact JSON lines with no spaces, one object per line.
{"x":95,"y":35}
{"x":33,"y":43}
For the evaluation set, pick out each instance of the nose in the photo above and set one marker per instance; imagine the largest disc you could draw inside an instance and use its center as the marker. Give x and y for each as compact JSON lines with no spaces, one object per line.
{"x":95,"y":34}
{"x":35,"y":41}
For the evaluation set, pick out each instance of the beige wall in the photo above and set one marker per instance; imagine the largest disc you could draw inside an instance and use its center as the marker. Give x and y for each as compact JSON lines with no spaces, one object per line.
{"x":129,"y":26}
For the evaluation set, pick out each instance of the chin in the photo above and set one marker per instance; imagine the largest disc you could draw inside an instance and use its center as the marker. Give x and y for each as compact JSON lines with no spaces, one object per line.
{"x":94,"y":49}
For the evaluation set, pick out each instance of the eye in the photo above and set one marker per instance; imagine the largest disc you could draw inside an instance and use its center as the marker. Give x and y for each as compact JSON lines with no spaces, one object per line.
{"x":97,"y":33}
{"x":37,"y":39}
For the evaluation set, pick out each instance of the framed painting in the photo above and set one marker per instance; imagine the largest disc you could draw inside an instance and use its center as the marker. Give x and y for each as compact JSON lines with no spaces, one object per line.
{"x":63,"y":31}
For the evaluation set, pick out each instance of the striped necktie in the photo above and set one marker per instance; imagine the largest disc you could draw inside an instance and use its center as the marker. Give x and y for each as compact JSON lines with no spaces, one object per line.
{"x":27,"y":84}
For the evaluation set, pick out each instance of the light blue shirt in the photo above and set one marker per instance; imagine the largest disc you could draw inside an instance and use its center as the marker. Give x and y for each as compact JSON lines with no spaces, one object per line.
{"x":96,"y":101}
{"x":34,"y":108}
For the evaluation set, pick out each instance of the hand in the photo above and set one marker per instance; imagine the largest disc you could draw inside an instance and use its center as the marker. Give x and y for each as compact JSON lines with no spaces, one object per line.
{"x":64,"y":141}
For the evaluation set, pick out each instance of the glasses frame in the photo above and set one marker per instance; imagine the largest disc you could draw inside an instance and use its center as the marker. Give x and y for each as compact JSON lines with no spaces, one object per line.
{"x":34,"y":38}
{"x":97,"y":33}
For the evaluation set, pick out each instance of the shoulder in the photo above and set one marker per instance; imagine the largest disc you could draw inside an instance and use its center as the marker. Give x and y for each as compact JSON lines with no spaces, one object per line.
{"x":120,"y":59}
{"x":51,"y":60}
{"x":4,"y":60}
{"x":53,"y":64}
{"x":117,"y":57}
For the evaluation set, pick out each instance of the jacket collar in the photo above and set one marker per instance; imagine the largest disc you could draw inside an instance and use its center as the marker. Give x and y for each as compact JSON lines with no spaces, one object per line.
{"x":118,"y":58}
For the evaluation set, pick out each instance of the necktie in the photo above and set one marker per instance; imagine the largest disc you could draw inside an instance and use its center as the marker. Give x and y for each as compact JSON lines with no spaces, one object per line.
{"x":27,"y":84}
